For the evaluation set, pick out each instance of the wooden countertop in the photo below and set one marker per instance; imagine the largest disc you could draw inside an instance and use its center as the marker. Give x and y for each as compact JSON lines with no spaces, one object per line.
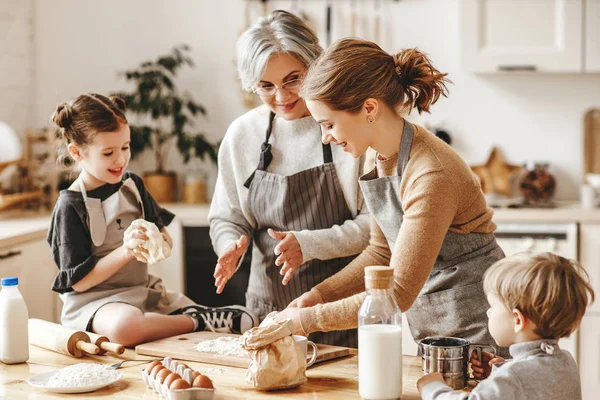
{"x":335,"y":379}
{"x":17,"y":227}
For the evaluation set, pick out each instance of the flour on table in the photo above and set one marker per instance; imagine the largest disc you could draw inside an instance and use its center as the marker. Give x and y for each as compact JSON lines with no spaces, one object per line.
{"x":213,"y":371}
{"x":224,"y":345}
{"x":82,"y":375}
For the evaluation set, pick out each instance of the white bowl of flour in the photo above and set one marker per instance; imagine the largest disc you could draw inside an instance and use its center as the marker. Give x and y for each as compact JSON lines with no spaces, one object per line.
{"x":76,"y":378}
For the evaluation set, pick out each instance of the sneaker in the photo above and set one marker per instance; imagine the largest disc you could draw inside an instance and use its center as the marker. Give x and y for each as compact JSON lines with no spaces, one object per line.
{"x":228,"y":319}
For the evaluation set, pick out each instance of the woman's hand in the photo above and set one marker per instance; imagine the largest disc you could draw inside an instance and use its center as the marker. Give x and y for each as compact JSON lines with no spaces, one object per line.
{"x":289,"y":252}
{"x":228,"y":262}
{"x":292,"y":314}
{"x":482,"y":369}
{"x":308,"y":299}
{"x":433,"y":377}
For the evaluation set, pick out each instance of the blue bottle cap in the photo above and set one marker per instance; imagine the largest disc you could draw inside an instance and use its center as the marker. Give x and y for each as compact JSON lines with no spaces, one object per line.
{"x":10,"y":281}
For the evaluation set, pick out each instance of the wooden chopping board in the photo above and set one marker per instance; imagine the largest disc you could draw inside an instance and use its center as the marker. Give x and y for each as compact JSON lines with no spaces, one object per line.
{"x":181,"y":347}
{"x":591,"y":142}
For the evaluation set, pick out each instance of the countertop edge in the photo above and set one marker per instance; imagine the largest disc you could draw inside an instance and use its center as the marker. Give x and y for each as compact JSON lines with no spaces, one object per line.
{"x":34,"y":225}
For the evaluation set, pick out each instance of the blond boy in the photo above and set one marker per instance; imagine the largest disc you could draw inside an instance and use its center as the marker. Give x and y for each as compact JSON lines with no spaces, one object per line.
{"x":535,"y":299}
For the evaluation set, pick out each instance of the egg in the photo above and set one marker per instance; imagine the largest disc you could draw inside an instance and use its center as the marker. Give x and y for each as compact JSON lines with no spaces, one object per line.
{"x":195,"y":374}
{"x":156,"y":370}
{"x":179,"y":384}
{"x":172,"y":377}
{"x":162,"y":374}
{"x":203,"y":381}
{"x":152,"y":365}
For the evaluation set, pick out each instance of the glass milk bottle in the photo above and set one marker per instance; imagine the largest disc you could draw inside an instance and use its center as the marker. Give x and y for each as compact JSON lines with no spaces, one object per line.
{"x":14,"y":338}
{"x":379,"y":338}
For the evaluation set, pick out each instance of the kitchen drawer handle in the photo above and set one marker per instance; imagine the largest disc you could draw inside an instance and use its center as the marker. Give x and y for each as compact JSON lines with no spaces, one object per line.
{"x":9,"y":254}
{"x":517,"y":68}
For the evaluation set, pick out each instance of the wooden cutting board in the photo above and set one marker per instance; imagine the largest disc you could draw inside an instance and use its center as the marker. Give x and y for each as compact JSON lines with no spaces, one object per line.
{"x":182,"y":348}
{"x":591,"y":142}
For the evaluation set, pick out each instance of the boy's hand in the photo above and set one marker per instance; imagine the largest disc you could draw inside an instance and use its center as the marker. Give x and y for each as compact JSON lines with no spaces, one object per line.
{"x":433,"y":377}
{"x":482,"y":370}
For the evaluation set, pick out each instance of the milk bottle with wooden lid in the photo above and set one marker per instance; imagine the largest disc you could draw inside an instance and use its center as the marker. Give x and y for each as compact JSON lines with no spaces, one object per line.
{"x":14,"y":338}
{"x":379,"y":338}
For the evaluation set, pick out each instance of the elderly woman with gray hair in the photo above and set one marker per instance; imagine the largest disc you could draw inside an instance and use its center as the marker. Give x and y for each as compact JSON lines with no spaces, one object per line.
{"x":278,"y":185}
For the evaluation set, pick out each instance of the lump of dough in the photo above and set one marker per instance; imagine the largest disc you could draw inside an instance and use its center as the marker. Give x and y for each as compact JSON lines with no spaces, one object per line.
{"x":158,"y":248}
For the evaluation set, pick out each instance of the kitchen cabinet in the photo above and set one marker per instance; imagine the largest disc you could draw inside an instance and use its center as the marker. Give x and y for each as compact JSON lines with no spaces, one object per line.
{"x":589,"y":257}
{"x":589,"y":330}
{"x":32,"y":263}
{"x":589,"y":354}
{"x":172,"y":270}
{"x":516,"y":35}
{"x":592,"y":36}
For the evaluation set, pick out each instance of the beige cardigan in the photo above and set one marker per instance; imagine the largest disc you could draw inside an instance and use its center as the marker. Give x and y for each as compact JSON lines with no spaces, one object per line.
{"x":438,"y":193}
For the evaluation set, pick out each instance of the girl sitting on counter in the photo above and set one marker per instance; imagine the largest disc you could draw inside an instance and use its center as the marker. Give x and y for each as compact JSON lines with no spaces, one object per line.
{"x":103,"y":283}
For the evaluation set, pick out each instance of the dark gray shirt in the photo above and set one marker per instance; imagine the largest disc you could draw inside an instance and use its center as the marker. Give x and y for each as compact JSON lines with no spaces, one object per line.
{"x":69,"y":234}
{"x":539,"y":370}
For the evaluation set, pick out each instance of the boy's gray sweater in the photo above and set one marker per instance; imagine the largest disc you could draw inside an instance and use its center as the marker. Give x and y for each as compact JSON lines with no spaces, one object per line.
{"x":538,"y":370}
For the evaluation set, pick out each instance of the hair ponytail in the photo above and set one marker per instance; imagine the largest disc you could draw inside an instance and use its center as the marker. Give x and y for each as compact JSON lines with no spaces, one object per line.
{"x":353,"y":70}
{"x":422,"y":82}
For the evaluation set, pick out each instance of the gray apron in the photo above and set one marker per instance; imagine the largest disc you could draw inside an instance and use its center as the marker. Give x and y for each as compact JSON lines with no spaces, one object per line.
{"x":107,"y":221}
{"x":452,"y":301}
{"x":310,"y":199}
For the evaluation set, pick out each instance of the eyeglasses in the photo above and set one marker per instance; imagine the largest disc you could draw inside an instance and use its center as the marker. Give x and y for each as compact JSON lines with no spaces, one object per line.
{"x":268,"y":89}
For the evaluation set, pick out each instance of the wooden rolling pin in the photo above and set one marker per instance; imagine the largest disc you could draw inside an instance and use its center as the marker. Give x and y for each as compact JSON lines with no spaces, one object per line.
{"x":105,"y":344}
{"x":60,"y":338}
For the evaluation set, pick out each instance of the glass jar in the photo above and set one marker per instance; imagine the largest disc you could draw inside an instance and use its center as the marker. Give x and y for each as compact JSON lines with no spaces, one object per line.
{"x":537,"y":185}
{"x":379,"y":338}
{"x":194,"y":189}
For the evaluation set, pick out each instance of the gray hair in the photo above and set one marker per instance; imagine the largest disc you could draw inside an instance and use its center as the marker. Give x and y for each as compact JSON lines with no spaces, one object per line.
{"x":279,"y":32}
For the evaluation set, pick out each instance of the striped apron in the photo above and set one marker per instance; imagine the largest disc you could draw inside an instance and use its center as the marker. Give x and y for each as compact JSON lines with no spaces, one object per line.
{"x":310,"y":199}
{"x":452,"y":301}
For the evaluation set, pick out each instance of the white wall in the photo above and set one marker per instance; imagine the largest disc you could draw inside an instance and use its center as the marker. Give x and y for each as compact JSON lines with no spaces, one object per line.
{"x":80,"y":44}
{"x":16,"y":63}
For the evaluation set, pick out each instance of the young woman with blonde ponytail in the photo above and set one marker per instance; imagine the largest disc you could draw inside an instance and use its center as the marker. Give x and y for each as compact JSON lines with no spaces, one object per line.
{"x":429,"y":218}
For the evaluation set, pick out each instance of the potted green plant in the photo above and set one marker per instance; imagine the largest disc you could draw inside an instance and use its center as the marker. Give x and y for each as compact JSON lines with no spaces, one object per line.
{"x":169,"y":113}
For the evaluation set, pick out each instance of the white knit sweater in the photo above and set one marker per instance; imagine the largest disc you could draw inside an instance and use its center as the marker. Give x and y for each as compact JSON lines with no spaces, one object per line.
{"x":296,"y":146}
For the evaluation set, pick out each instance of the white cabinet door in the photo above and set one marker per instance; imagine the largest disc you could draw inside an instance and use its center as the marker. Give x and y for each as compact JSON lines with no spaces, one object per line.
{"x":517,"y":35}
{"x":172,"y":270}
{"x":589,"y":256}
{"x":589,"y":356}
{"x":32,"y":263}
{"x":592,"y":36}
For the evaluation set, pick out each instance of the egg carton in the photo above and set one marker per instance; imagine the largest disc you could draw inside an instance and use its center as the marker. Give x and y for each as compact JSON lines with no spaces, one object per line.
{"x":185,"y":372}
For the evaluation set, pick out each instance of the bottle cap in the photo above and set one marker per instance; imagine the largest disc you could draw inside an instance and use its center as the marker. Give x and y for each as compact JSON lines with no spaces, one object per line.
{"x":10,"y":281}
{"x":378,"y":277}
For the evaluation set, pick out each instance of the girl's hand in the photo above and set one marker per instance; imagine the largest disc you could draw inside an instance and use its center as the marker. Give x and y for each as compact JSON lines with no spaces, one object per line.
{"x":140,"y":254}
{"x":433,"y":377}
{"x":135,"y":234}
{"x":167,"y":237}
{"x":483,"y":368}
{"x":228,"y":262}
{"x":308,"y":299}
{"x":289,"y":252}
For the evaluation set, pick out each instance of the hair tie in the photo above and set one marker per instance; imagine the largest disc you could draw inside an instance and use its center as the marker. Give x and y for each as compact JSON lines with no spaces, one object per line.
{"x":398,"y":68}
